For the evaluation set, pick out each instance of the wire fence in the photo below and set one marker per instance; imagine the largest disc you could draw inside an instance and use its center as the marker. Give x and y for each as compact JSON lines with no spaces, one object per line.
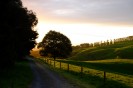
{"x":128,"y":80}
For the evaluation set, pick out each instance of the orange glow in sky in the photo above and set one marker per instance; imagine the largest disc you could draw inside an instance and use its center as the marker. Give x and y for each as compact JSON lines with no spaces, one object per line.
{"x":84,"y":22}
{"x":85,"y":33}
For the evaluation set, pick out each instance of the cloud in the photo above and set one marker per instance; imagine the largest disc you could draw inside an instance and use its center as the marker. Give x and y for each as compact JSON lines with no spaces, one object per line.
{"x":110,"y":11}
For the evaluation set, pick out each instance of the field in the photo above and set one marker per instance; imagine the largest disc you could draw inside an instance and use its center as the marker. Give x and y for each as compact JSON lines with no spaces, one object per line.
{"x":94,"y":75}
{"x":122,"y":50}
{"x":119,"y":66}
{"x":108,"y":66}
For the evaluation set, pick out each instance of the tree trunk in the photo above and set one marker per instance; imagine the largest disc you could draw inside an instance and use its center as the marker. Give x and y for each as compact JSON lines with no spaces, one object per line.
{"x":54,"y":57}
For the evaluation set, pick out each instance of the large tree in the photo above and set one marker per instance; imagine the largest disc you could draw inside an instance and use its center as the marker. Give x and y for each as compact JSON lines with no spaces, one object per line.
{"x":17,"y":34}
{"x":55,"y":44}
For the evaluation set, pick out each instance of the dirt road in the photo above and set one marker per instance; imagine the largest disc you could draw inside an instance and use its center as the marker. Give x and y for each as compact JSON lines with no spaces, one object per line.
{"x":46,"y":78}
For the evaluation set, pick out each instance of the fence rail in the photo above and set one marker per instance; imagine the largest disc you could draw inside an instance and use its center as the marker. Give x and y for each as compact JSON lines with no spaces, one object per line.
{"x":84,"y":70}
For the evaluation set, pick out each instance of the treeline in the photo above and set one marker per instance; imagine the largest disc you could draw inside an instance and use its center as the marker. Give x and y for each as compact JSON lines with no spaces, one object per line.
{"x":17,"y":34}
{"x":104,"y":43}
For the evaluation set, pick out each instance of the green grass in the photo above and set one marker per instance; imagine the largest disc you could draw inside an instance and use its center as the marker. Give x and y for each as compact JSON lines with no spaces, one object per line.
{"x":93,"y":76}
{"x":119,"y":70}
{"x":18,"y":77}
{"x":96,"y":60}
{"x":72,"y":77}
{"x":120,"y":66}
{"x":90,"y":81}
{"x":122,"y":50}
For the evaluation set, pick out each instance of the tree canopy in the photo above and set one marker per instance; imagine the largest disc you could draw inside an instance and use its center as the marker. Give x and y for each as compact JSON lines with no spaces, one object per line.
{"x":55,"y":44}
{"x":17,"y":34}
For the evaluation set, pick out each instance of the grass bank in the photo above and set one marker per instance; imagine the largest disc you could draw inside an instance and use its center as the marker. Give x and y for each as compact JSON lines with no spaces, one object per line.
{"x":120,"y":66}
{"x":90,"y":76}
{"x":121,"y":50}
{"x":72,"y":78}
{"x":18,"y":77}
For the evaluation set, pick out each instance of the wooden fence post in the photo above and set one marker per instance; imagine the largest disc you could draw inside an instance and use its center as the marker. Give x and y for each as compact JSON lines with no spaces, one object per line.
{"x":47,"y":61}
{"x":54,"y":63}
{"x":104,"y":78}
{"x":50,"y":62}
{"x":81,"y":71}
{"x":44,"y":60}
{"x":68,"y":66}
{"x":60,"y":64}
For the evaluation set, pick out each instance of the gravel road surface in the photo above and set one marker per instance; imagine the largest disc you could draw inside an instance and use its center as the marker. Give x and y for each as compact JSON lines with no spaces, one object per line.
{"x":46,"y":78}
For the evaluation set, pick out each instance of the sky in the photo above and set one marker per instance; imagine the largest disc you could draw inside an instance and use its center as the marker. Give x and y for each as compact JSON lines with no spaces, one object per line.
{"x":84,"y":21}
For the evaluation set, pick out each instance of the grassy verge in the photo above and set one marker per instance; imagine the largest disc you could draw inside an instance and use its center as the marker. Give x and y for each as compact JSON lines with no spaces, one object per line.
{"x":17,"y":77}
{"x":89,"y":77}
{"x":90,"y":81}
{"x":72,"y":78}
{"x":119,"y":71}
{"x":75,"y":78}
{"x":120,"y":66}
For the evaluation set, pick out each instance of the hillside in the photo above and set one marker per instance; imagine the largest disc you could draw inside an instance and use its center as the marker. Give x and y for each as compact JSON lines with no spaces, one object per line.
{"x":35,"y":53}
{"x":123,"y":50}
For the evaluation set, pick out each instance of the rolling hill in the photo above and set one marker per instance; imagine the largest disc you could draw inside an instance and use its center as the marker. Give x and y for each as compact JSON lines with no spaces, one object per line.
{"x":123,"y":50}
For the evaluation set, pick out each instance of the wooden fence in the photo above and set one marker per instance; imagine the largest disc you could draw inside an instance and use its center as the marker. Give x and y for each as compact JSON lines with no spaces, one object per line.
{"x":70,"y":67}
{"x":84,"y":70}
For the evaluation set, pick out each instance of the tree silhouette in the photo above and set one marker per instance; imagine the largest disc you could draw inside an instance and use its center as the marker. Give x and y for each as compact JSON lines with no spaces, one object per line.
{"x":17,"y":33}
{"x":55,"y":44}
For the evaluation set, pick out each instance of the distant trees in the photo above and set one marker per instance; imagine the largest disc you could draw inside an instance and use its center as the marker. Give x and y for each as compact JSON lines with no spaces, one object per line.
{"x":104,"y":43}
{"x":85,"y":45}
{"x":55,"y":44}
{"x":125,"y":39}
{"x":17,"y":34}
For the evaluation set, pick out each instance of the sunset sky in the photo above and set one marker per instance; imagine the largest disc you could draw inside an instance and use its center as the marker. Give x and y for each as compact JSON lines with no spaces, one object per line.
{"x":84,"y":21}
